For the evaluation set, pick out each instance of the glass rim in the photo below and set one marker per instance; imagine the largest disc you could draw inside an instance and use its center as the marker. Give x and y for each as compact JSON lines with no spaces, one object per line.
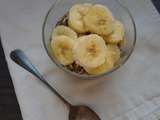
{"x":90,"y":76}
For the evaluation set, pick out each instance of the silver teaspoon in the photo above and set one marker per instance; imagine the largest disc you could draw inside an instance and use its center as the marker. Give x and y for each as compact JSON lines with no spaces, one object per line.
{"x":78,"y":112}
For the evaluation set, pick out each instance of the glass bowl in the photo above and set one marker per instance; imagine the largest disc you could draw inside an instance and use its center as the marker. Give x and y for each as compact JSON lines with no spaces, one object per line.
{"x":61,"y":7}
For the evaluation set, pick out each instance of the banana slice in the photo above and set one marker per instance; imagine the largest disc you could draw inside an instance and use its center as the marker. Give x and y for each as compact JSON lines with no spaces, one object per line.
{"x":99,"y":20}
{"x":117,"y":35}
{"x":76,"y":15}
{"x":62,"y":49}
{"x":106,"y":67}
{"x":63,"y":30}
{"x":90,"y":51}
{"x":113,"y":53}
{"x":112,"y":57}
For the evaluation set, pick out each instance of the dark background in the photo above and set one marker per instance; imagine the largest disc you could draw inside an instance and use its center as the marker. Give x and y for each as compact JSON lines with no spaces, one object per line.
{"x":9,"y":108}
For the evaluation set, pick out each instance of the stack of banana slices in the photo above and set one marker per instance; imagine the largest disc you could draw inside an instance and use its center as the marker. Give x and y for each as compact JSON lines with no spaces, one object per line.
{"x":90,"y":39}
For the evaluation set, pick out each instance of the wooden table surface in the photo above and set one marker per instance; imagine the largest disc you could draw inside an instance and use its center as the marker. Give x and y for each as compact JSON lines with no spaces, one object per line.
{"x":9,"y":107}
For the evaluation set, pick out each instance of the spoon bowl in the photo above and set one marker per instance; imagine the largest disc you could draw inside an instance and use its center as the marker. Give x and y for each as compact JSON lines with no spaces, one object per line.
{"x":82,"y":113}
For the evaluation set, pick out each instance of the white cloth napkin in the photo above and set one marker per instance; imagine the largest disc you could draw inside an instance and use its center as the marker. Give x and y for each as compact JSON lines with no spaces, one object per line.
{"x":131,"y":93}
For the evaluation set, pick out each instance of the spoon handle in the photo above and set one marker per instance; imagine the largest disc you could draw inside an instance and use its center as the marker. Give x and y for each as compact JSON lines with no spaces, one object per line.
{"x":21,"y":59}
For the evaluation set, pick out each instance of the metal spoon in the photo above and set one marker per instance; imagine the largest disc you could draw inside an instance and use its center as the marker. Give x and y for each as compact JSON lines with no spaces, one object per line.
{"x":79,"y":112}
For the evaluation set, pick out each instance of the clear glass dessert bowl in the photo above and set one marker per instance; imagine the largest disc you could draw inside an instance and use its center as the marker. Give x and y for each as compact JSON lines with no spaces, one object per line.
{"x":121,"y":13}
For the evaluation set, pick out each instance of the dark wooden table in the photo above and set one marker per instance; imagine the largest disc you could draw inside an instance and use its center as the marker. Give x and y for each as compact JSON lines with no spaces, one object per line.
{"x":157,"y":4}
{"x":9,"y":108}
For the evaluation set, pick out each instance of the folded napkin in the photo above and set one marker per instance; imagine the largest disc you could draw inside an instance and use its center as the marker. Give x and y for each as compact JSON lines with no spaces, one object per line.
{"x":131,"y":93}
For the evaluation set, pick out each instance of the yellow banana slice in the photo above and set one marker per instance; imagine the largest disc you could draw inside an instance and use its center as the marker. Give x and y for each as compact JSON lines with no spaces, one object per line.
{"x":99,"y":20}
{"x":90,"y":51}
{"x":62,"y":48}
{"x":117,"y":35}
{"x":63,"y":30}
{"x":76,"y":15}
{"x":113,"y":53}
{"x":106,"y":67}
